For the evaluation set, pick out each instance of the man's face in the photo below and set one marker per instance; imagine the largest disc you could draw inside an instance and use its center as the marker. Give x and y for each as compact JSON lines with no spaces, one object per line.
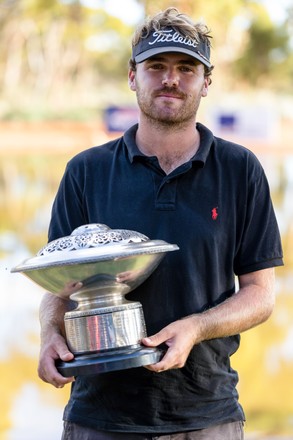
{"x":169,"y":87}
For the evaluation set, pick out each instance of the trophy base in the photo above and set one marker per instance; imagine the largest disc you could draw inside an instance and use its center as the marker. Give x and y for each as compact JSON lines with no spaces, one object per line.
{"x":121,"y":359}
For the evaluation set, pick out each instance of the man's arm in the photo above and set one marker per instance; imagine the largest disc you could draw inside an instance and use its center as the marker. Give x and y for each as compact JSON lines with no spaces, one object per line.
{"x":53,"y":344}
{"x":250,"y":306}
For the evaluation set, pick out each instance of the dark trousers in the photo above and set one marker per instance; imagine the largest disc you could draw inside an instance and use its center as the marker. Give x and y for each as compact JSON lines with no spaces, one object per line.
{"x":227,"y":431}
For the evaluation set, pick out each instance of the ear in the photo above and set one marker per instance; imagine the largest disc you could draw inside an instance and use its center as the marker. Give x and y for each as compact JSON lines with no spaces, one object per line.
{"x":131,"y":80}
{"x":205,"y":88}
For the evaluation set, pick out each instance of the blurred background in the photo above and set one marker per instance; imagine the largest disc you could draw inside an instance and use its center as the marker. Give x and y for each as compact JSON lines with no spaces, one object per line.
{"x":63,"y":88}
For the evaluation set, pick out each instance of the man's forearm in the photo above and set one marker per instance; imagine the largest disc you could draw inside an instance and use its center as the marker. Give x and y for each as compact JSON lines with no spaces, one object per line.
{"x":249,"y":307}
{"x":52,"y":310}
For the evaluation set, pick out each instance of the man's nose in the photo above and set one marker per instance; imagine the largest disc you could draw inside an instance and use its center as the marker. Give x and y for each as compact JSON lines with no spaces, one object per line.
{"x":171,"y":78}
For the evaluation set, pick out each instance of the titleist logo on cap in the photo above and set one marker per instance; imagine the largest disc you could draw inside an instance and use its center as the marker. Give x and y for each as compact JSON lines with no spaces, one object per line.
{"x":170,"y":40}
{"x":170,"y":36}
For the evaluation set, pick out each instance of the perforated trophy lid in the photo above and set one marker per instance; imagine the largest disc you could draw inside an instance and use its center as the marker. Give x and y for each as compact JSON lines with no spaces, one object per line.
{"x":93,"y":242}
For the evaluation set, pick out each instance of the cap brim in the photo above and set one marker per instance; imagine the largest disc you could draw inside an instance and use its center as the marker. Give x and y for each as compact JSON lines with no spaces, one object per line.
{"x":155,"y":51}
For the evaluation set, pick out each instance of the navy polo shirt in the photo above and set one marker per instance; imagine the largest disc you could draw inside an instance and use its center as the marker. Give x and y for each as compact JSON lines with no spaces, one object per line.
{"x":217,"y":209}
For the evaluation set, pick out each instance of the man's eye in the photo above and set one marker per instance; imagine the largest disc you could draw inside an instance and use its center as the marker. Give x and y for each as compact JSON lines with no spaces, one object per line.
{"x":156,"y":66}
{"x":185,"y":69}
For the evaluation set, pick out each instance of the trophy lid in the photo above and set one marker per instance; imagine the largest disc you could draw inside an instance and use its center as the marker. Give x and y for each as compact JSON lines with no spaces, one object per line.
{"x":95,"y":255}
{"x":93,"y":242}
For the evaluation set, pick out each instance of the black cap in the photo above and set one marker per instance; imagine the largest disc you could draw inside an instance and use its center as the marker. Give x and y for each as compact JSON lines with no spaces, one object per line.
{"x":169,"y":40}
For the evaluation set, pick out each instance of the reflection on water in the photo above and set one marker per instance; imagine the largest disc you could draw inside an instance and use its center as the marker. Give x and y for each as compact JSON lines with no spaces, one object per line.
{"x":32,"y":410}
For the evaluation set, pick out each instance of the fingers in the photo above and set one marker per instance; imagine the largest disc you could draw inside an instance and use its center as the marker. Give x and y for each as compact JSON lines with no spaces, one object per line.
{"x":172,"y":359}
{"x":71,"y":287}
{"x":48,"y":373}
{"x":175,"y":356}
{"x":52,"y":350}
{"x":179,"y":338}
{"x":157,"y":339}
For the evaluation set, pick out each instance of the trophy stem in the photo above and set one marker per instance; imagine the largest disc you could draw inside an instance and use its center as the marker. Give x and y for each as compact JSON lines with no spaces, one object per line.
{"x":95,"y":298}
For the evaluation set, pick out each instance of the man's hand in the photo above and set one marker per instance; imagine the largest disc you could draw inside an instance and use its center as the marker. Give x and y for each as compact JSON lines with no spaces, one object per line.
{"x":180,"y":337}
{"x":53,"y":348}
{"x":53,"y":344}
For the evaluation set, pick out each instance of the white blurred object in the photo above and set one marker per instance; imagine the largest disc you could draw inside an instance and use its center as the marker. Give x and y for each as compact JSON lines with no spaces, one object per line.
{"x":34,"y":418}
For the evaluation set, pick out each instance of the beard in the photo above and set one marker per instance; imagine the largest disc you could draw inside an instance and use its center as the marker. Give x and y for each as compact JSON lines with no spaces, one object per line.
{"x":168,"y":115}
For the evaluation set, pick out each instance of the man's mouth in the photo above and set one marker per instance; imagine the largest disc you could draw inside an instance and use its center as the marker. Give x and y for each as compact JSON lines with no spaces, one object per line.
{"x":169,"y":94}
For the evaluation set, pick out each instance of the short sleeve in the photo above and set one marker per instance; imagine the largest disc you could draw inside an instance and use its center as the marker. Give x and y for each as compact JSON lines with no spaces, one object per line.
{"x":260,"y":245}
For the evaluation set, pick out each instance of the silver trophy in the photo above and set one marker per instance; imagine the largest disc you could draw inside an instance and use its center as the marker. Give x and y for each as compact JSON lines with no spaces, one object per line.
{"x":104,"y":330}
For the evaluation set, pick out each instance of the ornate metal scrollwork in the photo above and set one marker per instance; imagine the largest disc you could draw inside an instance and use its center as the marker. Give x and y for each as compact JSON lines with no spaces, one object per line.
{"x":92,"y":236}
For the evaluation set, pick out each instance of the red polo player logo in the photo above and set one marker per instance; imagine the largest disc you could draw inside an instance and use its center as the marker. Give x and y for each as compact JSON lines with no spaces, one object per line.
{"x":215,"y":213}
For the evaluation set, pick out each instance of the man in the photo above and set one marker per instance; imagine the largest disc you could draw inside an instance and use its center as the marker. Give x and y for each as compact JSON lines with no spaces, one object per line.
{"x":171,"y":179}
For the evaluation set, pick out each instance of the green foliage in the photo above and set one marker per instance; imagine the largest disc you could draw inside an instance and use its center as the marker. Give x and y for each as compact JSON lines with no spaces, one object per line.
{"x":266,"y":56}
{"x":62,"y":58}
{"x":258,"y":52}
{"x":55,"y":56}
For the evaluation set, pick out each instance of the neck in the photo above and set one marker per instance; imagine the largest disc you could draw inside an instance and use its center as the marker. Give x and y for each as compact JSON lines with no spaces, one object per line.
{"x":172,"y":145}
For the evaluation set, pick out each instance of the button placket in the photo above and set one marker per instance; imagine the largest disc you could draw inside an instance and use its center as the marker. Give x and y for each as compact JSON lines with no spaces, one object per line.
{"x":166,"y":194}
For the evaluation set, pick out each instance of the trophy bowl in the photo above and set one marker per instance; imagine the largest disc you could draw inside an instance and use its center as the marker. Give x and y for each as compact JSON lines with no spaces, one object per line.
{"x":104,"y":329}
